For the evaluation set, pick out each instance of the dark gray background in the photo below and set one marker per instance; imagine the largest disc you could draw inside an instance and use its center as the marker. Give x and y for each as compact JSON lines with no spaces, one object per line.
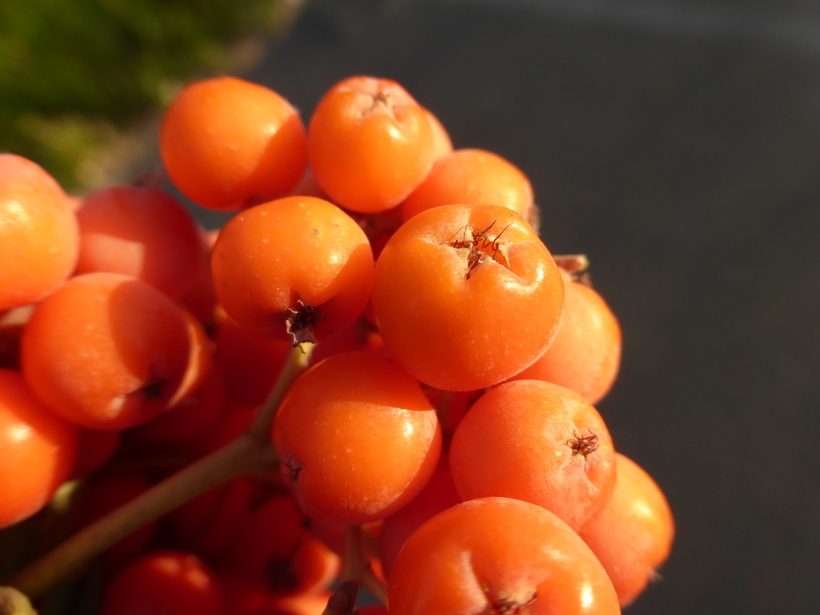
{"x":678,"y":145}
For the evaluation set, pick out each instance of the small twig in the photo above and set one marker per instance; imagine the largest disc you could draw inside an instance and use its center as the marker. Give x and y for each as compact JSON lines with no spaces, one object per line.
{"x":374,"y":585}
{"x":343,"y":600}
{"x":356,"y":572}
{"x":295,"y":364}
{"x":354,"y":556}
{"x":243,"y":455}
{"x":253,"y":451}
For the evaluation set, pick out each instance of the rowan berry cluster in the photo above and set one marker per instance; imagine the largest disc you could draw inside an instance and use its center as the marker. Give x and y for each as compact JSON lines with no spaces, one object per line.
{"x":441,"y":449}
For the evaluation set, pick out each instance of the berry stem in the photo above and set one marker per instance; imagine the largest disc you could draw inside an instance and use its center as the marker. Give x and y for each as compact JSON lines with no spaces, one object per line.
{"x":245,"y":454}
{"x":295,"y":364}
{"x":356,"y":567}
{"x":251,"y":452}
{"x":356,"y":573}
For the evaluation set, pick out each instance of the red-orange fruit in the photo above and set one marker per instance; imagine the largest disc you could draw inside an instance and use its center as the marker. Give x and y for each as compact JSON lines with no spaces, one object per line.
{"x":357,"y":438}
{"x":106,"y":351}
{"x":274,"y":548}
{"x":12,"y":323}
{"x":370,"y":144}
{"x":38,"y":450}
{"x":208,"y":525}
{"x":95,"y":449}
{"x":308,"y":186}
{"x":442,"y":144}
{"x":167,"y":583}
{"x":498,"y":556}
{"x":200,"y":359}
{"x":471,"y":176}
{"x":39,"y":239}
{"x":437,"y":496}
{"x":586,"y":352}
{"x":633,"y":533}
{"x":538,"y":442}
{"x":357,"y":335}
{"x":466,"y":296}
{"x":249,"y":598}
{"x":297,"y":265}
{"x":232,"y":420}
{"x":249,"y":363}
{"x":191,"y":415}
{"x":201,"y":298}
{"x":142,"y":232}
{"x":228,"y":143}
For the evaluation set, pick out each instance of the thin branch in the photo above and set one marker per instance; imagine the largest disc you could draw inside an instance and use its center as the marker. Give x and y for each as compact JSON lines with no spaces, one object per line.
{"x":373,"y":584}
{"x":252,"y":452}
{"x":295,"y":364}
{"x":245,"y":454}
{"x":356,"y":572}
{"x":356,"y":566}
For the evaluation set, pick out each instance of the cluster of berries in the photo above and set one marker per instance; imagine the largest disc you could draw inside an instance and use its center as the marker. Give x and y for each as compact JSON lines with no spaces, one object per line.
{"x":446,"y":418}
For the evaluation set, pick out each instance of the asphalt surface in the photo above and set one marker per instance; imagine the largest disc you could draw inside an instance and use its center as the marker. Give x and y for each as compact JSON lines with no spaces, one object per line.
{"x":678,"y":145}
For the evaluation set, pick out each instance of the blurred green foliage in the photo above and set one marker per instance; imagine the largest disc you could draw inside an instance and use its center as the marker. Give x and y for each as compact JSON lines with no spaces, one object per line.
{"x":72,"y":71}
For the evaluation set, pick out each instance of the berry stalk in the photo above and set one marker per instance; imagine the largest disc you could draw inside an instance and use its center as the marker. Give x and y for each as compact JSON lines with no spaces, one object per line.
{"x":251,"y":452}
{"x":356,"y":573}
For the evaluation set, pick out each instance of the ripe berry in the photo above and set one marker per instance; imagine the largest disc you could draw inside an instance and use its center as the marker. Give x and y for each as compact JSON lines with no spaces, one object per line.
{"x":228,"y":143}
{"x":38,"y":233}
{"x":466,"y":296}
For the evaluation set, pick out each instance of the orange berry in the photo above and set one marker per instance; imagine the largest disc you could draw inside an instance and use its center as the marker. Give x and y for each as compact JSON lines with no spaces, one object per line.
{"x":370,"y":144}
{"x":106,"y":351}
{"x":38,"y":447}
{"x":633,"y":533}
{"x":468,"y":176}
{"x":538,"y":442}
{"x":466,"y":296}
{"x":498,"y":555}
{"x":442,"y":144}
{"x":228,"y":143}
{"x":167,"y":582}
{"x":357,"y":438}
{"x":586,"y":352}
{"x":38,"y":233}
{"x":142,"y":232}
{"x":297,"y":266}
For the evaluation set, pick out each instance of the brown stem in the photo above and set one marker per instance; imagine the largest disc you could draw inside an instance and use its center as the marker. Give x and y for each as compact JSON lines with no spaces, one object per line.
{"x":356,"y":566}
{"x":243,"y":455}
{"x":253,"y":451}
{"x":343,"y":600}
